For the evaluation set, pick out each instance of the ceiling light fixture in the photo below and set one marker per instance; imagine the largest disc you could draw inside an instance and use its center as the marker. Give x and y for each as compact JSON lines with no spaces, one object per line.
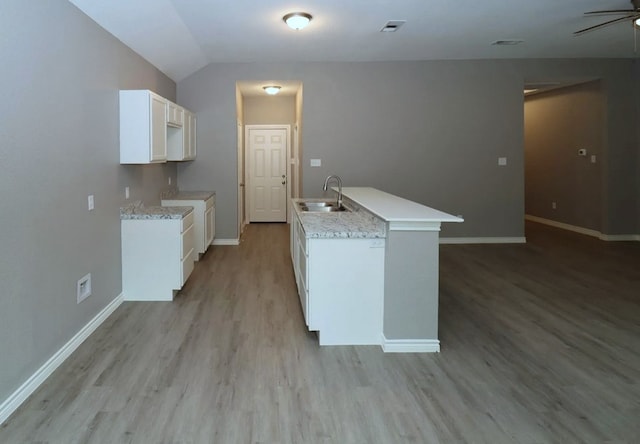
{"x":272,"y":90}
{"x":297,"y":20}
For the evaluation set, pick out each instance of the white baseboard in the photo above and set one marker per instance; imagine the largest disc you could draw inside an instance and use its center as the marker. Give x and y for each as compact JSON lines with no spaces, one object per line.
{"x":226,"y":242}
{"x":620,"y":237}
{"x":483,"y":240}
{"x":30,"y":385}
{"x":410,"y":345}
{"x":585,"y":231}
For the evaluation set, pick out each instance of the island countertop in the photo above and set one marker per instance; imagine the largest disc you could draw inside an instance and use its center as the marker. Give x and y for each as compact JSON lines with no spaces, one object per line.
{"x":397,"y":211}
{"x":339,"y":225}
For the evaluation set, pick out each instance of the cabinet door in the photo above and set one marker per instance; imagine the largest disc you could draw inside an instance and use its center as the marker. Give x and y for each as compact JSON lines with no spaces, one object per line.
{"x":192,"y":137}
{"x":189,"y":135}
{"x":209,"y":227}
{"x":158,"y":128}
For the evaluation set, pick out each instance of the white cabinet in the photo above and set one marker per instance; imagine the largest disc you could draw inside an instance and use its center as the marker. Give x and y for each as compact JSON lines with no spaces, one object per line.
{"x":204,"y":211}
{"x":175,"y":114}
{"x":181,"y":139}
{"x":341,"y":286}
{"x":190,"y":136}
{"x":157,"y":257}
{"x":143,"y":127}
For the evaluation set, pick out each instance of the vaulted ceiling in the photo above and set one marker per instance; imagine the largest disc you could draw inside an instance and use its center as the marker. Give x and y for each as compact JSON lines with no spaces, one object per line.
{"x":182,"y":36}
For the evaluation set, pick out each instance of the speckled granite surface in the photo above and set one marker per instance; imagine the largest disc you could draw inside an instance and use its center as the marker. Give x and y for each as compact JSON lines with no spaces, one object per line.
{"x":357,"y":224}
{"x":137,"y":211}
{"x":189,"y":195}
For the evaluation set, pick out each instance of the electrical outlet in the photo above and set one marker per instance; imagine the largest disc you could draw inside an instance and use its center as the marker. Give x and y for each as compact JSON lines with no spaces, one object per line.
{"x":554,"y":205}
{"x":90,"y":202}
{"x":126,"y":192}
{"x":83,"y":289}
{"x":593,"y":158}
{"x":502,"y":161}
{"x":169,"y":180}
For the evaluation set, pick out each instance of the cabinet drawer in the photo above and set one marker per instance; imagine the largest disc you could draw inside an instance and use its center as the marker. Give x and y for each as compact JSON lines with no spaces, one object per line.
{"x":187,"y":221}
{"x":209,"y":203}
{"x":187,"y":242}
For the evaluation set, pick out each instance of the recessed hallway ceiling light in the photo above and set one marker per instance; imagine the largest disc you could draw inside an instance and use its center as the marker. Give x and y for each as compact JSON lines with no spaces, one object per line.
{"x":272,"y":89}
{"x":297,"y":20}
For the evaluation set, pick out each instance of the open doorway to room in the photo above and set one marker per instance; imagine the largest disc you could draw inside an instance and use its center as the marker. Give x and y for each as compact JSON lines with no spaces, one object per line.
{"x":565,"y":145}
{"x":269,"y":139}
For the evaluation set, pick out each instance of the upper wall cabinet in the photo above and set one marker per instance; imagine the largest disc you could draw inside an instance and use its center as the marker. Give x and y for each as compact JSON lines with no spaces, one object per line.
{"x":175,"y":115}
{"x":143,"y":127}
{"x":182,"y":140}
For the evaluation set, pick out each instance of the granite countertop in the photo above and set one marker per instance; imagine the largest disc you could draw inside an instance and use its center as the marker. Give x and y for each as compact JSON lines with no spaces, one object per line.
{"x":137,"y":211}
{"x":356,"y":224}
{"x":189,"y":195}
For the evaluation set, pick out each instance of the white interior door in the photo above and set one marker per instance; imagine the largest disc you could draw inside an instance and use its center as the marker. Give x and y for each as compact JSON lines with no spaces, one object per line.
{"x":267,"y":175}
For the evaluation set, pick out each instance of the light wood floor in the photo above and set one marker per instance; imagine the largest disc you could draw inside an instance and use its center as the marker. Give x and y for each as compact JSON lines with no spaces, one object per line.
{"x":540,"y":344}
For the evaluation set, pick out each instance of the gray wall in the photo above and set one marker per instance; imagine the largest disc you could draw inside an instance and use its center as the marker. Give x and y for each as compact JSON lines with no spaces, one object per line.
{"x":60,"y":78}
{"x":269,"y":110}
{"x":427,"y":131}
{"x":557,"y":124}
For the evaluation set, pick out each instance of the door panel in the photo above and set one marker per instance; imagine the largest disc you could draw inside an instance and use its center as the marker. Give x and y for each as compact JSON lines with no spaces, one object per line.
{"x":267,"y":175}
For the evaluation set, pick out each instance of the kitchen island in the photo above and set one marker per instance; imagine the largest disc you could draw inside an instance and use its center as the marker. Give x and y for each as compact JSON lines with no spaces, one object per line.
{"x":387,"y":284}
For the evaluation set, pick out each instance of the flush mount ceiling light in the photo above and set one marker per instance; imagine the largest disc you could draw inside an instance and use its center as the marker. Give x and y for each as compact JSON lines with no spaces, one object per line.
{"x":297,"y":20}
{"x":272,"y":89}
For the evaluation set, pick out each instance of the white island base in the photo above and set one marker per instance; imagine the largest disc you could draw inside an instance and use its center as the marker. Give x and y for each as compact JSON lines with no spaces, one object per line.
{"x":361,"y":287}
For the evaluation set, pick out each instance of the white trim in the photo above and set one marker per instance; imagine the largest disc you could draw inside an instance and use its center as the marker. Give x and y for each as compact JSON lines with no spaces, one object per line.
{"x":620,"y":237}
{"x":413,"y":226}
{"x":585,"y":231}
{"x":31,"y":385}
{"x":226,"y":242}
{"x":410,"y":345}
{"x":483,"y":240}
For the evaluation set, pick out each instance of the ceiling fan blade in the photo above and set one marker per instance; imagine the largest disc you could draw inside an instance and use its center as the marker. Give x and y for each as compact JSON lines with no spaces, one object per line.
{"x":611,"y":11}
{"x":610,"y":22}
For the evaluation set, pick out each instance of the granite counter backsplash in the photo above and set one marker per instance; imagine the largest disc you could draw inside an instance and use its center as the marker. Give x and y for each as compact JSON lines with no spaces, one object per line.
{"x":137,"y":210}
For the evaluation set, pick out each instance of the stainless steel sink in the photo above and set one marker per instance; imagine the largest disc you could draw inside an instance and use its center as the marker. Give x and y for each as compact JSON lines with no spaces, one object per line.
{"x":330,"y":208}
{"x":315,"y":204}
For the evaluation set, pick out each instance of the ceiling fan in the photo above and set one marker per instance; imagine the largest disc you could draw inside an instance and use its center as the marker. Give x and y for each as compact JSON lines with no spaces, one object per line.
{"x":632,"y":15}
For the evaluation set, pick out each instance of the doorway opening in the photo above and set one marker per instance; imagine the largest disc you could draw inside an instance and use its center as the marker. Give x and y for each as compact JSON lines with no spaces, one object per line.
{"x":565,"y":145}
{"x":275,"y":124}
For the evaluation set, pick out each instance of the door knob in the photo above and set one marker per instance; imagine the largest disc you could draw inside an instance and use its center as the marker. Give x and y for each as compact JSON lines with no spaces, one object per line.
{"x":284,"y":182}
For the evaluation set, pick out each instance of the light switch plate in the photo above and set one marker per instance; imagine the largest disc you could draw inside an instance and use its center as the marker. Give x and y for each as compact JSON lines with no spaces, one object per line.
{"x":316,"y":162}
{"x":593,"y":158}
{"x":126,"y":192}
{"x":502,"y":161}
{"x":90,"y":202}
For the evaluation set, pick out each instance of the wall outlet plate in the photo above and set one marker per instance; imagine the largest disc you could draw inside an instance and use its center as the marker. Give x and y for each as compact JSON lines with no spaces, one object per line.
{"x":83,"y":288}
{"x":90,"y":202}
{"x":316,"y":162}
{"x":126,"y":192}
{"x":502,"y":161}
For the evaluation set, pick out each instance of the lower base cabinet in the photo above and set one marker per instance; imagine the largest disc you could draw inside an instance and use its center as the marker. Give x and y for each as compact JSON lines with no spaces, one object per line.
{"x":341,"y":286}
{"x":204,"y":217}
{"x":157,"y":257}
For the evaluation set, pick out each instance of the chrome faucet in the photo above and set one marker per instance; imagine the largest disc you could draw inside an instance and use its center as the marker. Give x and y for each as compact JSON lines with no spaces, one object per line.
{"x":326,"y":183}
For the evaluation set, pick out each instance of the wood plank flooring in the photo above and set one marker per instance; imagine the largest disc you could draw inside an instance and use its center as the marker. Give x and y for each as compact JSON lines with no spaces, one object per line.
{"x":540,"y":344}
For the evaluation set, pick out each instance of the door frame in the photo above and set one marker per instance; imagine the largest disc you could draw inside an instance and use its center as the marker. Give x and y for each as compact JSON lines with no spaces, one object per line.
{"x":247,"y":157}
